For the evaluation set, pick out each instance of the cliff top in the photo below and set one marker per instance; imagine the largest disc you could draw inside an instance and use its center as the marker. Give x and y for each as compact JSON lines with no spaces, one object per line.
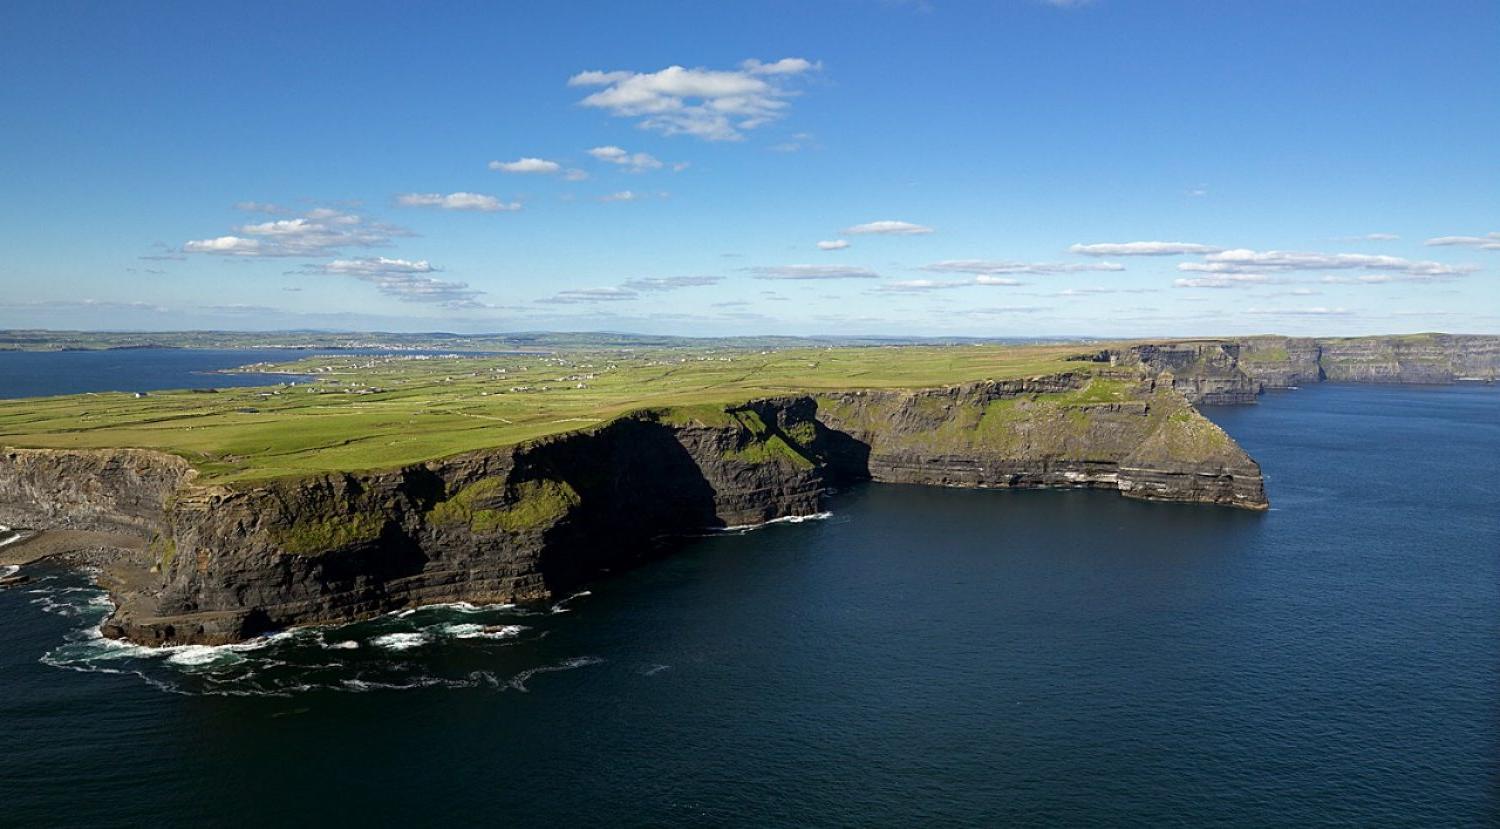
{"x":359,"y":412}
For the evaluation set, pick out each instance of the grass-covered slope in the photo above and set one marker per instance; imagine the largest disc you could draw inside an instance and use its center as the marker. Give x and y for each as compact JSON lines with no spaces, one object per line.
{"x":380,"y":412}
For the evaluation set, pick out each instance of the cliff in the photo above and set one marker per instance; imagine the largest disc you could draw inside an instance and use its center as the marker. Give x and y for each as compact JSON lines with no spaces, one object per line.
{"x":1278,"y":362}
{"x":530,"y":521}
{"x":1218,"y":372}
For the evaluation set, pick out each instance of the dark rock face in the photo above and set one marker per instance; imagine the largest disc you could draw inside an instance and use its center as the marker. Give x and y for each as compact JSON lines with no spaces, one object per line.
{"x":1204,"y":372}
{"x":528,"y":522}
{"x":123,"y":489}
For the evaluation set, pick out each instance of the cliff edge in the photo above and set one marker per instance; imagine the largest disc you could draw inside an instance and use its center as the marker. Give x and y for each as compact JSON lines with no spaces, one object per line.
{"x":531,"y":521}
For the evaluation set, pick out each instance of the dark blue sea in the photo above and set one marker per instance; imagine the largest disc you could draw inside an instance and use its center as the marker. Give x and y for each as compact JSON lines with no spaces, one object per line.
{"x":923,"y":657}
{"x":38,"y":373}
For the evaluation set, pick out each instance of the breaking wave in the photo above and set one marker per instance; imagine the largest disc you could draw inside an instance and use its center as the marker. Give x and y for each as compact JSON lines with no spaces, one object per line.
{"x":785,"y":519}
{"x":456,"y":645}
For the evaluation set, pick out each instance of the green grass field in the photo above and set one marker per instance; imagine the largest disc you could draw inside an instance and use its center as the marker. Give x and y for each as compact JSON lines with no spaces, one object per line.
{"x":378,"y":412}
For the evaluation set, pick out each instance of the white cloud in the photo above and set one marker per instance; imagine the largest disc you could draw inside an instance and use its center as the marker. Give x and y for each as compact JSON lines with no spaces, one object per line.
{"x":635,"y":162}
{"x":457,"y":201}
{"x":994,"y":266}
{"x":833,"y":244}
{"x":888,"y":227}
{"x":574,"y":175}
{"x":1489,"y":241}
{"x":785,"y":66}
{"x":797,"y":272}
{"x":376,"y":264}
{"x":921,"y":285}
{"x":716,"y":105}
{"x":670,"y":283}
{"x":526,"y":165}
{"x":1242,"y":261}
{"x":226,"y":245}
{"x":623,"y":195}
{"x":404,"y":279}
{"x":319,"y":232}
{"x":1141,"y":248}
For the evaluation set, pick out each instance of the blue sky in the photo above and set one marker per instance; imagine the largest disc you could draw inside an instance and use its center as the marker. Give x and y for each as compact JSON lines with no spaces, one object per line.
{"x":1002,"y":168}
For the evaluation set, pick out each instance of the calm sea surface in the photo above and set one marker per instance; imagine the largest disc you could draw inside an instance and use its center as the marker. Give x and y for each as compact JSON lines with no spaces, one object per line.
{"x":924,"y":657}
{"x":39,"y":373}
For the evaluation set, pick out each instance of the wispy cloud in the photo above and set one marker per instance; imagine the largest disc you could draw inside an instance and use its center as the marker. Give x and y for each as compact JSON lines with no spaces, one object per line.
{"x":634,"y":162}
{"x":799,"y":272}
{"x":576,"y":296}
{"x":404,"y":279}
{"x":85,"y":304}
{"x":1231,"y":280}
{"x":1368,"y":237}
{"x":457,"y":201}
{"x":670,"y":283}
{"x":797,"y":142}
{"x":1002,"y":266}
{"x":1141,"y":248}
{"x":833,"y":244}
{"x":888,"y":227}
{"x":1489,"y":241}
{"x":916,"y":286}
{"x":319,"y":232}
{"x":526,"y":165}
{"x":1299,"y":312}
{"x":1244,"y":261}
{"x":623,"y":195}
{"x":715,"y":105}
{"x":1002,"y":310}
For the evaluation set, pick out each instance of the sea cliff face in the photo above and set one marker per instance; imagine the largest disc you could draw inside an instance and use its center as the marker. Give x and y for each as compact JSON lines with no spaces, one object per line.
{"x":533,"y":521}
{"x":1137,"y":436}
{"x":1220,"y":372}
{"x":1279,"y":362}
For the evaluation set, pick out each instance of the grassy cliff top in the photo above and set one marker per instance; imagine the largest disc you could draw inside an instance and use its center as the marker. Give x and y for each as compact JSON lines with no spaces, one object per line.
{"x":360,"y":412}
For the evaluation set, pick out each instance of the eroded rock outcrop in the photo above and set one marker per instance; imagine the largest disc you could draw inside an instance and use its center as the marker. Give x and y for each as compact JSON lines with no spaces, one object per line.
{"x":528,"y":522}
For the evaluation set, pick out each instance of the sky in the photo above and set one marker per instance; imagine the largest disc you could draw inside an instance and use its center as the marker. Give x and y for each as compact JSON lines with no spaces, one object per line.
{"x":939,"y":168}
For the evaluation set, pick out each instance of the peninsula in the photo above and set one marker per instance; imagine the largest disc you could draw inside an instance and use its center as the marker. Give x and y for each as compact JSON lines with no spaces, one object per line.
{"x":365,"y":484}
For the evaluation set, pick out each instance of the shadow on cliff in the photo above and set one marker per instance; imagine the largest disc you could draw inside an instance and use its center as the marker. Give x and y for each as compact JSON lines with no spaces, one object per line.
{"x":638,"y":486}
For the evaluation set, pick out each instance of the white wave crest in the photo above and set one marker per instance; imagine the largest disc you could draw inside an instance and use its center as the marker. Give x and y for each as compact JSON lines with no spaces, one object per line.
{"x":472,"y":631}
{"x":785,"y":519}
{"x":400,"y":641}
{"x":561,"y":606}
{"x":518,"y":682}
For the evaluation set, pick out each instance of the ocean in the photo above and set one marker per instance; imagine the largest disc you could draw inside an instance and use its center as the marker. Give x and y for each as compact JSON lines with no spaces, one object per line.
{"x":919,"y":657}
